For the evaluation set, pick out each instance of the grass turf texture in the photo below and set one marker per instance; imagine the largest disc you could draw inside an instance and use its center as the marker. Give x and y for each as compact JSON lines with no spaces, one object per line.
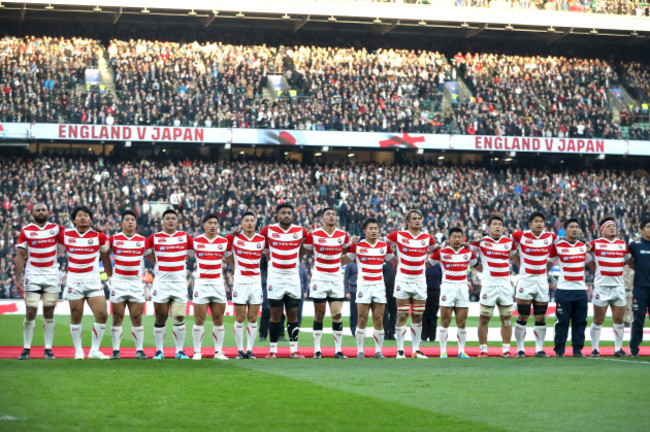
{"x":11,"y":333}
{"x":290,"y":395}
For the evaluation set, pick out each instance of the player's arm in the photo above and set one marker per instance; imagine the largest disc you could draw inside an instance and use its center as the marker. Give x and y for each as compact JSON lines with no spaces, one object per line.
{"x":390,"y":256}
{"x":149,"y":254}
{"x":552,"y":258}
{"x":21,"y":258}
{"x":433,"y":259}
{"x":104,"y":254}
{"x":347,"y":258}
{"x":592,"y":263}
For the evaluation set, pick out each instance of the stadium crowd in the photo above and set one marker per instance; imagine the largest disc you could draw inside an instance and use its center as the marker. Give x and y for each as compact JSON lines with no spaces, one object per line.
{"x":354,"y":89}
{"x":447,"y":195}
{"x":612,"y":7}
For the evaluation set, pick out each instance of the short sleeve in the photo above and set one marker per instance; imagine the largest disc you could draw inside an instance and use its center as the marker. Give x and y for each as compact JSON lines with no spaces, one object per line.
{"x":552,"y":253}
{"x":22,"y":240}
{"x":392,"y":237}
{"x":516,"y":236}
{"x":308,"y":242}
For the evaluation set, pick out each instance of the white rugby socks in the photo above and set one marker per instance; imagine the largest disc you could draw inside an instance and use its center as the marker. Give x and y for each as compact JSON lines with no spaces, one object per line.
{"x":595,"y":336}
{"x":217,"y":334}
{"x":159,"y":337}
{"x":360,"y":336}
{"x":75,"y":331}
{"x":238,"y":330}
{"x":416,"y":336}
{"x":443,"y":333}
{"x":48,"y":332}
{"x":116,"y":337}
{"x":252,"y":335}
{"x":378,"y":336}
{"x":400,"y":332}
{"x":540,"y":335}
{"x":138,"y":336}
{"x":462,"y":337}
{"x":197,"y":337}
{"x":98,"y":334}
{"x":520,"y":336}
{"x":28,"y":333}
{"x":619,"y":333}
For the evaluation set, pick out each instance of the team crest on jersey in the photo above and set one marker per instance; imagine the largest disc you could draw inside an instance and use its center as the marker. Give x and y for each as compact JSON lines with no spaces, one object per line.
{"x":180,"y":239}
{"x":259,"y":245}
{"x":521,"y":290}
{"x":620,"y":247}
{"x":465,"y":256}
{"x":295,"y":236}
{"x":383,"y":251}
{"x":545,"y":242}
{"x":423,"y":242}
{"x":339,"y":240}
{"x":91,"y":241}
{"x":138,"y":244}
{"x":52,"y":232}
{"x":582,"y":249}
{"x":220,"y":247}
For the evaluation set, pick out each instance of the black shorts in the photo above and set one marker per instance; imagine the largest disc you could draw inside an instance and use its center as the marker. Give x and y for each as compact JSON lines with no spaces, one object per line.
{"x":287,"y":302}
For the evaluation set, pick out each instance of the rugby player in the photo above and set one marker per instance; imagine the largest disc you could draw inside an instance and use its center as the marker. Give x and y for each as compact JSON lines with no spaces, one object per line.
{"x":36,"y":256}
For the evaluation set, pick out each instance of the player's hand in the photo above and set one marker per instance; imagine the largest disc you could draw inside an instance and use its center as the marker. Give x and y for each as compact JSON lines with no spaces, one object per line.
{"x":589,"y":248}
{"x":96,"y":227}
{"x":355,"y":240}
{"x":476,"y":238}
{"x":467,"y":245}
{"x":347,"y":296}
{"x":19,"y":285}
{"x":236,"y":230}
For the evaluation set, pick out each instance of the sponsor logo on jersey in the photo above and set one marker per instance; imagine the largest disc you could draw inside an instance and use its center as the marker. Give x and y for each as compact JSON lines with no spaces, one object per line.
{"x":119,"y":243}
{"x":322,"y":240}
{"x":275,"y":235}
{"x":447,"y":257}
{"x":565,"y":258}
{"x":239,"y":251}
{"x":241,"y":243}
{"x":162,"y":248}
{"x":527,"y":249}
{"x":405,"y":250}
{"x":528,"y":242}
{"x":33,"y":233}
{"x":364,"y":259}
{"x":448,"y":265}
{"x":488,"y":253}
{"x":201,"y":254}
{"x":200,"y":246}
{"x":72,"y":241}
{"x":162,"y":240}
{"x":71,"y":249}
{"x":118,"y":251}
{"x":405,"y":241}
{"x":363,"y":251}
{"x":34,"y":243}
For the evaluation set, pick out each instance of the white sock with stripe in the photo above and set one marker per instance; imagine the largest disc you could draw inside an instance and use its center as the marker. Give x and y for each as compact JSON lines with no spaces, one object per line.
{"x":252,"y":335}
{"x":98,"y":335}
{"x":48,"y":332}
{"x":400,"y":332}
{"x":138,"y":336}
{"x":76,"y":332}
{"x":360,"y":336}
{"x":197,"y":337}
{"x":116,"y":337}
{"x":378,"y":336}
{"x":28,"y":333}
{"x":238,"y":330}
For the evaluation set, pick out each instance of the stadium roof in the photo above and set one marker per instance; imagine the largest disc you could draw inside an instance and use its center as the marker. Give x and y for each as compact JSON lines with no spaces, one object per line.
{"x":365,"y":15}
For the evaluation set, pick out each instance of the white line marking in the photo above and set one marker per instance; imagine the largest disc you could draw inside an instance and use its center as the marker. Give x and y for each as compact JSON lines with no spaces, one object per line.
{"x":619,"y":360}
{"x":8,"y":417}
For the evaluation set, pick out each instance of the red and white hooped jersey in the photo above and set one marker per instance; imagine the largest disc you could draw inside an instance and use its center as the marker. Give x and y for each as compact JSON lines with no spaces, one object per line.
{"x":533,"y":253}
{"x":454,"y":263}
{"x":170,"y":251}
{"x":247,"y":253}
{"x":128,"y":253}
{"x":370,"y":260}
{"x":327,"y":250}
{"x":209,"y":255}
{"x":41,"y":245}
{"x":610,"y":257}
{"x":83,"y":253}
{"x":412,"y":254}
{"x":495,"y":257}
{"x":284,"y":248}
{"x":572,"y":259}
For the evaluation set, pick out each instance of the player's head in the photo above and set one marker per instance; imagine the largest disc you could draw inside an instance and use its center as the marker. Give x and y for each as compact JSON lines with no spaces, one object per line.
{"x":413,"y":219}
{"x":536,"y":222}
{"x":328,"y":216}
{"x":284,"y":213}
{"x":129,"y":220}
{"x":495,"y":226}
{"x":248,"y":221}
{"x":211,"y":224}
{"x":81,"y":216}
{"x":371,"y":229}
{"x":40,"y":213}
{"x":455,"y":237}
{"x":645,"y":229}
{"x":170,"y":220}
{"x":572,"y":229}
{"x":607,"y":227}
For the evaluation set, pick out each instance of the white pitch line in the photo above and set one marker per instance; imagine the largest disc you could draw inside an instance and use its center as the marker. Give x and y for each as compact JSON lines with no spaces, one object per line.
{"x":619,"y":360}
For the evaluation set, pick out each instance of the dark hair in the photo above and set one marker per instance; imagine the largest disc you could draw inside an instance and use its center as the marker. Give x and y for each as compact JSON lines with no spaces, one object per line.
{"x":496,"y":217}
{"x":368,"y":222}
{"x":77,"y":209}
{"x":169,"y":211}
{"x":322,"y":212}
{"x":129,"y":212}
{"x":605,"y":219}
{"x":249,"y":214}
{"x":455,"y":230}
{"x":570,"y":221}
{"x":283,"y":205}
{"x":644,"y":223}
{"x":210,"y":216}
{"x":533,"y":215}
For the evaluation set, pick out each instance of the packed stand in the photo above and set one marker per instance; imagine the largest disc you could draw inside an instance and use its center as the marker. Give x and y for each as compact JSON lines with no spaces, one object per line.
{"x":612,"y":7}
{"x":38,"y":76}
{"x":447,"y":195}
{"x":535,"y":96}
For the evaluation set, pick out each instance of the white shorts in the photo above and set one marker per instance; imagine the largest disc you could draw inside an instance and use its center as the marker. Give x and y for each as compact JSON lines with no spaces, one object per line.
{"x":491,"y":295}
{"x":247,"y":293}
{"x":454,"y":295}
{"x":321,"y":289}
{"x":406,"y":290}
{"x":608,"y":295}
{"x":165,"y":292}
{"x":371,"y":293}
{"x":532,"y":290}
{"x":209,"y":291}
{"x":42,"y":283}
{"x":81,"y":289}
{"x":278,"y":287}
{"x":126,"y":291}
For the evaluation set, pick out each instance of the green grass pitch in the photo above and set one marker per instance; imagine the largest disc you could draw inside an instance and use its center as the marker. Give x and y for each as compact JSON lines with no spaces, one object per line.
{"x":307,"y":395}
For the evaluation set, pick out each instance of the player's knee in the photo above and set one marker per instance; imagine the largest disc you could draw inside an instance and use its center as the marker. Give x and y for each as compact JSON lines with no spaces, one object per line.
{"x":50,"y":300}
{"x":486,"y":311}
{"x":48,"y":312}
{"x":337,"y":316}
{"x":445,"y":322}
{"x":178,"y":313}
{"x":136,"y":321}
{"x":101,"y":317}
{"x":505,"y":311}
{"x":362,"y":322}
{"x":523,"y":311}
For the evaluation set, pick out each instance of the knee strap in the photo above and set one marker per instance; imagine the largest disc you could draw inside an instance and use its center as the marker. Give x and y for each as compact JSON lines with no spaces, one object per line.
{"x":32,"y":299}
{"x":486,"y":311}
{"x":403,"y":309}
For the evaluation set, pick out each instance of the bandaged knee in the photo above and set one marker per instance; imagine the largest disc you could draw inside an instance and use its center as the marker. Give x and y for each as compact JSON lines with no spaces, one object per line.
{"x":505,"y":311}
{"x":403,"y":309}
{"x":32,"y":299}
{"x":178,"y":313}
{"x":50,"y":299}
{"x":418,"y":309}
{"x":486,"y":311}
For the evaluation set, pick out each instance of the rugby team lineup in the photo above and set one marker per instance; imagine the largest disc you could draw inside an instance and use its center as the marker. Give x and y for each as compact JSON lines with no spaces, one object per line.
{"x":534,"y":251}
